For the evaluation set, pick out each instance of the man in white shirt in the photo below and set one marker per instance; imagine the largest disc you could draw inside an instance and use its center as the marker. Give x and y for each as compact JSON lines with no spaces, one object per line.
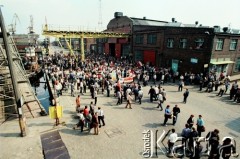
{"x":171,"y":140}
{"x":100,"y":117}
{"x":140,"y":95}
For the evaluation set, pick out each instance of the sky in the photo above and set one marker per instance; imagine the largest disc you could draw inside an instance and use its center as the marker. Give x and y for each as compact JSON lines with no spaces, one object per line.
{"x":86,"y":13}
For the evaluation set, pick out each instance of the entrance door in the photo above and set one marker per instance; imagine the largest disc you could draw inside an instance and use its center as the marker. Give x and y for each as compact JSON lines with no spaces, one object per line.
{"x":112,"y":49}
{"x":175,"y":65}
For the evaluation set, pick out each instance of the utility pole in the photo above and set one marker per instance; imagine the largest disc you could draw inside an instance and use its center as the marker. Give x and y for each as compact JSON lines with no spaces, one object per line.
{"x":13,"y":74}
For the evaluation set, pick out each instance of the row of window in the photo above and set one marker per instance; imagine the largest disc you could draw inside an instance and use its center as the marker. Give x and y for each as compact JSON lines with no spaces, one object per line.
{"x":199,"y":42}
{"x":220,"y":43}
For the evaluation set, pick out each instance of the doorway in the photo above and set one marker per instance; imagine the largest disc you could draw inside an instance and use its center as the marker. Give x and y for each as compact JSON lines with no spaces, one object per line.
{"x":112,"y":49}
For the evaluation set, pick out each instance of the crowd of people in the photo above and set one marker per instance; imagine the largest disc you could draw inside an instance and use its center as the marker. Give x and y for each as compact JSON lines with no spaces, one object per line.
{"x":101,"y":74}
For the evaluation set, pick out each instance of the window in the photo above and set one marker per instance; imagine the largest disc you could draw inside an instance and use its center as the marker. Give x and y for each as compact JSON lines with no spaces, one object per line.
{"x":233,"y":44}
{"x":138,"y":55}
{"x":219,"y":45}
{"x":183,"y":43}
{"x":152,"y":39}
{"x":170,"y":43}
{"x":199,"y":43}
{"x":139,"y":39}
{"x":237,"y":65}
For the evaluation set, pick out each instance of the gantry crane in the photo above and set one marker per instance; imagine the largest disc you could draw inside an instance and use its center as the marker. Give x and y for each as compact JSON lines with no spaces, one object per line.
{"x":12,"y":26}
{"x":57,"y":33}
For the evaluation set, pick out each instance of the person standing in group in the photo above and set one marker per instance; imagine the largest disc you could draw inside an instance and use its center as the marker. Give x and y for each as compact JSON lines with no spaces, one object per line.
{"x":100,"y":117}
{"x":167,"y":115}
{"x":213,"y":138}
{"x":81,"y":121}
{"x":81,"y":87}
{"x":190,"y":121}
{"x":180,"y":85}
{"x":185,"y":96}
{"x":152,"y":93}
{"x":129,"y":100}
{"x":171,"y":140}
{"x":72,"y":89}
{"x":160,"y":101}
{"x":95,"y":123}
{"x":78,"y":103}
{"x":95,"y":96}
{"x":192,"y":137}
{"x":176,"y":111}
{"x":185,"y":133}
{"x":140,"y":95}
{"x":200,"y":125}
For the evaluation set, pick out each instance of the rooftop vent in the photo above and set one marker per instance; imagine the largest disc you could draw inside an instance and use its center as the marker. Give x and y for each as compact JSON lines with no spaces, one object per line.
{"x":144,"y":18}
{"x":173,"y":20}
{"x":196,"y":23}
{"x":118,"y":14}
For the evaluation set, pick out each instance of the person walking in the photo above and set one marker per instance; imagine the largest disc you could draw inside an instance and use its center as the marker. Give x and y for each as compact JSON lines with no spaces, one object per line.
{"x":100,"y":117}
{"x":78,"y":103}
{"x":140,"y":95}
{"x":185,"y":96}
{"x":200,"y":125}
{"x":129,"y":101}
{"x":167,"y":115}
{"x":176,"y":111}
{"x":119,"y":97}
{"x":160,"y":101}
{"x":95,"y":96}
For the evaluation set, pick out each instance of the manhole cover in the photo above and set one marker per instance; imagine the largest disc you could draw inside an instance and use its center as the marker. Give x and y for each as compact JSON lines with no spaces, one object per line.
{"x":113,"y":132}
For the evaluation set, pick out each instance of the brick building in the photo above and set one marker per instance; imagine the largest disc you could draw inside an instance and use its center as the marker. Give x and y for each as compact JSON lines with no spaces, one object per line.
{"x":182,"y":47}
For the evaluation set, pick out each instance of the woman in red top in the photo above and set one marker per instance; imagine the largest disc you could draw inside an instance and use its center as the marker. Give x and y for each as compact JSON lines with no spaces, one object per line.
{"x":95,"y":123}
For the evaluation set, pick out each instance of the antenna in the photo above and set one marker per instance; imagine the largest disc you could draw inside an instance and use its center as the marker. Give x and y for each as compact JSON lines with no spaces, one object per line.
{"x":100,"y":15}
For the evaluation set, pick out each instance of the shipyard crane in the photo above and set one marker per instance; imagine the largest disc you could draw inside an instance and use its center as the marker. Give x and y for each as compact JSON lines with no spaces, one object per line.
{"x":12,"y":26}
{"x":31,"y":25}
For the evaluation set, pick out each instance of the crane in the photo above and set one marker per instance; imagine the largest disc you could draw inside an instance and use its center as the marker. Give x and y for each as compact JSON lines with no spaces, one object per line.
{"x":12,"y":26}
{"x":31,"y":25}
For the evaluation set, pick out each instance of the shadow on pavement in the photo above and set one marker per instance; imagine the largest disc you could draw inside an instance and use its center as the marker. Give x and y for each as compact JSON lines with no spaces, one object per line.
{"x":76,"y":132}
{"x":10,"y":134}
{"x":152,"y":125}
{"x":149,"y":108}
{"x":41,"y":124}
{"x":234,"y":125}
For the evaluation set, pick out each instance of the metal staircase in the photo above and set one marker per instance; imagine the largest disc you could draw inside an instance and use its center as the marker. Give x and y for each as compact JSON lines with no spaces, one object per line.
{"x":32,"y":106}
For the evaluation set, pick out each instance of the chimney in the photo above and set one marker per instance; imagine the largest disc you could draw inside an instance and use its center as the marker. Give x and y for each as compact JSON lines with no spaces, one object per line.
{"x":196,"y":22}
{"x":225,"y":29}
{"x":144,"y":18}
{"x":173,"y":20}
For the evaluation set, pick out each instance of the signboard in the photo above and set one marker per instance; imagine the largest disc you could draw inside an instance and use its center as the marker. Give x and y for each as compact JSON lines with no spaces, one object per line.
{"x":194,"y":60}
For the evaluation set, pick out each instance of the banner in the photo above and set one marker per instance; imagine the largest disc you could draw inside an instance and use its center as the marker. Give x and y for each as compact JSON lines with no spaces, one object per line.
{"x":55,"y":112}
{"x":126,"y":80}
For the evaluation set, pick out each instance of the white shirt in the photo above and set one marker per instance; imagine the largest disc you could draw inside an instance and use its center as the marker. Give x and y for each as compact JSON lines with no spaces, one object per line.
{"x":173,"y":137}
{"x":100,"y":112}
{"x":160,"y":97}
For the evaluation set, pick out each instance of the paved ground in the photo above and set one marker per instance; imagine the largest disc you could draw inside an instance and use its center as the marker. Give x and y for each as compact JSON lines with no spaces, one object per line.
{"x":121,"y":138}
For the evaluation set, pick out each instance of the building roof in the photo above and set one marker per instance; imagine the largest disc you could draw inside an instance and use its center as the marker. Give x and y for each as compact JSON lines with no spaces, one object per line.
{"x":143,"y":21}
